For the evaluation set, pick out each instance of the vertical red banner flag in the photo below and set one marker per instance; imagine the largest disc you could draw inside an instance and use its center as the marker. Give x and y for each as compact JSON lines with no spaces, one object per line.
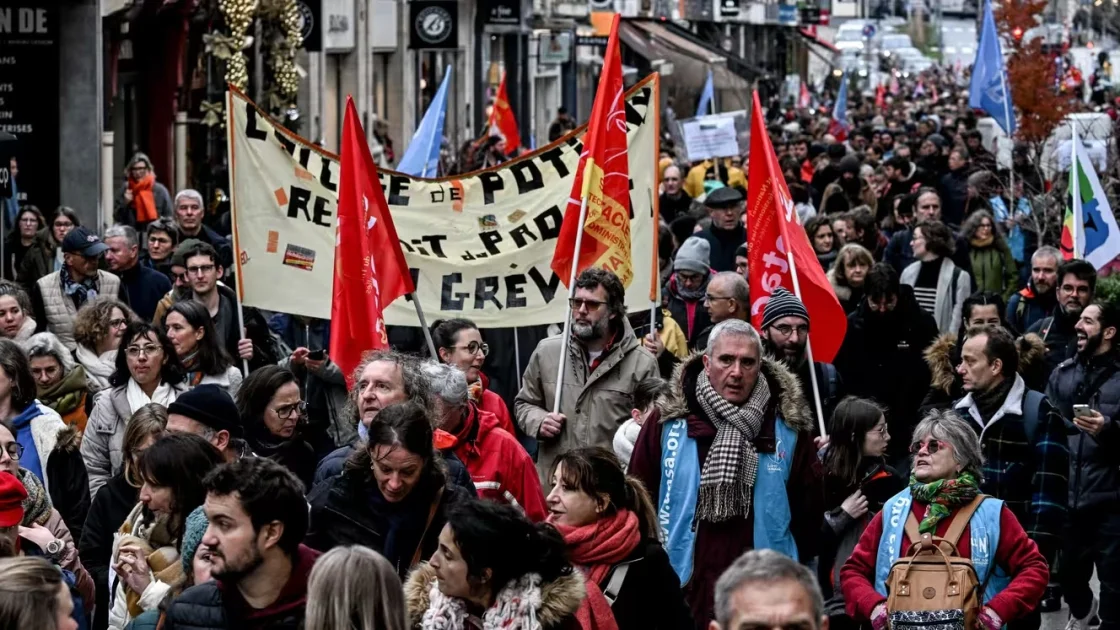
{"x":603,"y":178}
{"x":775,"y":237}
{"x":369,"y":267}
{"x":502,"y":121}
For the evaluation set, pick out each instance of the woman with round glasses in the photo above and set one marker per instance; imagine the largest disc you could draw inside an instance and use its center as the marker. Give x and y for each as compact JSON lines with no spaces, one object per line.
{"x":191,"y":330}
{"x":98,"y":328}
{"x":460,"y":344}
{"x":274,"y":415}
{"x":147,"y":371}
{"x":858,"y":482}
{"x":16,"y":322}
{"x":945,"y":481}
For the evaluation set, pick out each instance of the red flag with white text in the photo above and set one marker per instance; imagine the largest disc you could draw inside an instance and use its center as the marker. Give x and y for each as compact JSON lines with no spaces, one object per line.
{"x":775,"y":236}
{"x":369,"y":267}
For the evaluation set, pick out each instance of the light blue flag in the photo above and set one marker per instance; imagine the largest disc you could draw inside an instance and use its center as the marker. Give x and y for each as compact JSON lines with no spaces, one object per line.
{"x":707,"y":97}
{"x":989,"y":90}
{"x":421,"y":158}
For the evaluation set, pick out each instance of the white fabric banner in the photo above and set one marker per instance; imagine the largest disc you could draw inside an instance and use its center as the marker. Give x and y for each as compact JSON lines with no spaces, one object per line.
{"x":479,"y":245}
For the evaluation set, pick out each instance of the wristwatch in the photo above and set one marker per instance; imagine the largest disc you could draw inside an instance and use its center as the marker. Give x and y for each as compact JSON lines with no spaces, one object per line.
{"x":54,"y":550}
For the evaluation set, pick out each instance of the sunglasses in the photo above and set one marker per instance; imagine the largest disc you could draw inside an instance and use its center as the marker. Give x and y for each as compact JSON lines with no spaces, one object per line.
{"x":931,"y":446}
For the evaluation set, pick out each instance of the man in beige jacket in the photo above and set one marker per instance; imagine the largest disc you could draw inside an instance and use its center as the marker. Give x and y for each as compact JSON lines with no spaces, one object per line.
{"x":605,"y":363}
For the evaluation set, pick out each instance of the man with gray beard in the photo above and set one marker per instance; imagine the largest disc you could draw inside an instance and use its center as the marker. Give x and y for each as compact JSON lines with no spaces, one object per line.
{"x":605,"y":363}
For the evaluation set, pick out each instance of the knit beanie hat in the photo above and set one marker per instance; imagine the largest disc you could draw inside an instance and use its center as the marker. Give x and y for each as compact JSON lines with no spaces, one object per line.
{"x":694,"y":255}
{"x":193,"y":529}
{"x":210,"y":405}
{"x":12,"y":495}
{"x":782,"y":303}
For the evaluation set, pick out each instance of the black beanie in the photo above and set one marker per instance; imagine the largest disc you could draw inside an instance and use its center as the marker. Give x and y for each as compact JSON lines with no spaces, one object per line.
{"x":782,"y":303}
{"x":210,"y":405}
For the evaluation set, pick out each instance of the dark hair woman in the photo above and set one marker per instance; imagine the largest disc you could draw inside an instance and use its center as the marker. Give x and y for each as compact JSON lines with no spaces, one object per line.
{"x":857,"y":483}
{"x":191,"y":330}
{"x":28,"y":223}
{"x":146,"y":554}
{"x":992,"y":263}
{"x":494,"y":564}
{"x":392,"y":494}
{"x":612,"y":533}
{"x":940,"y":286}
{"x":460,"y":343}
{"x":44,"y":256}
{"x":274,"y":416}
{"x":147,"y":371}
{"x":823,"y":240}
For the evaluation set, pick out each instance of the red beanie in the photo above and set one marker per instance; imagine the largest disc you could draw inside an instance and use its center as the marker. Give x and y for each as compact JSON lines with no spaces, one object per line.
{"x":12,"y":495}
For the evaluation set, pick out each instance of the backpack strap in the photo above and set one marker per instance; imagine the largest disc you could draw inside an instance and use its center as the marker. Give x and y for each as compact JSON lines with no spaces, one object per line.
{"x":1032,"y":403}
{"x":1044,"y":328}
{"x":960,"y":520}
{"x":956,"y":276}
{"x":614,"y":586}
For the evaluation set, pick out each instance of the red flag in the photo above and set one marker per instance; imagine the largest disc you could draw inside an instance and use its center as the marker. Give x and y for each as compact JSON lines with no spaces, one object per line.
{"x":603,"y":177}
{"x":803,"y":99}
{"x":502,"y":123}
{"x":880,"y":97}
{"x":369,"y":267}
{"x":775,"y":232}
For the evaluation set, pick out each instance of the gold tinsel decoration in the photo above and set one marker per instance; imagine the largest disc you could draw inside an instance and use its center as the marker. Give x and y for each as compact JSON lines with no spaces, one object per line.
{"x":238,"y":15}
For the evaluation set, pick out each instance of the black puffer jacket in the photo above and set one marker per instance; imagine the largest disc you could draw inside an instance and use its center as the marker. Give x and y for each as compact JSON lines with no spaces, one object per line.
{"x":1094,"y":462}
{"x":110,"y":508}
{"x":1059,"y":336}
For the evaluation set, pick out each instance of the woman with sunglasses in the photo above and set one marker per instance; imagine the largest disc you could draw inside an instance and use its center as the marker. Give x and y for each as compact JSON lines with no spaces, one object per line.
{"x":98,"y":327}
{"x":274,"y":416}
{"x":191,"y":330}
{"x":147,"y":371}
{"x":460,"y":344}
{"x":945,"y":480}
{"x":858,"y":482}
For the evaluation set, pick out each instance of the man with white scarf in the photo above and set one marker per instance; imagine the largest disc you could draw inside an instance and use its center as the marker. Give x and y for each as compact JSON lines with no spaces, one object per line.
{"x":733,"y":466}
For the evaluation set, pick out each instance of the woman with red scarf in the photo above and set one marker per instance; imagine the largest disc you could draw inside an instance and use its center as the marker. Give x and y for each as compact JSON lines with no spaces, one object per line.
{"x":460,"y":344}
{"x":141,"y":199}
{"x":611,"y":529}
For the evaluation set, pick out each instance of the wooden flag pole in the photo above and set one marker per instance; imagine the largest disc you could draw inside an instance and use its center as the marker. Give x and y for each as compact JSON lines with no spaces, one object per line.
{"x":571,"y":293}
{"x":233,"y":221}
{"x":424,"y":326}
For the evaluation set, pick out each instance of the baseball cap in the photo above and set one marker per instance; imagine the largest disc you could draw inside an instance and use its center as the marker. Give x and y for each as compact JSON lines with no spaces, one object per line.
{"x":81,"y":241}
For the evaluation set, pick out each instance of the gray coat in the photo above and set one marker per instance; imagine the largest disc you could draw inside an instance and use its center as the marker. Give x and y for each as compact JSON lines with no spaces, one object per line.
{"x":1094,"y":462}
{"x":947,"y":308}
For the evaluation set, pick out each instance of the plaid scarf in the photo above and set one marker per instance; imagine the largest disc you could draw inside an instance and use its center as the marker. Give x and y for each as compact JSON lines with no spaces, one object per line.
{"x":942,"y":496}
{"x":37,"y":506}
{"x":81,"y":291}
{"x":729,"y":473}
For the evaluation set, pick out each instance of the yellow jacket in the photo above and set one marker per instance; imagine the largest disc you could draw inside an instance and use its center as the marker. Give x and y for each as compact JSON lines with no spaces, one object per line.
{"x":672,"y":336}
{"x":694,"y":181}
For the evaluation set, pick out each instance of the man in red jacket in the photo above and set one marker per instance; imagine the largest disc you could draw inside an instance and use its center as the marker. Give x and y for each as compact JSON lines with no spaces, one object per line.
{"x":499,"y":466}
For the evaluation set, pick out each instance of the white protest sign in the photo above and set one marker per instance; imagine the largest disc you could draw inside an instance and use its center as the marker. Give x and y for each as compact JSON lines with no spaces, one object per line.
{"x":714,"y":136}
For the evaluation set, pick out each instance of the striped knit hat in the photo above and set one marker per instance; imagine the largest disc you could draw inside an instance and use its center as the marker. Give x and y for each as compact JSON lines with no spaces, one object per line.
{"x":782,"y":303}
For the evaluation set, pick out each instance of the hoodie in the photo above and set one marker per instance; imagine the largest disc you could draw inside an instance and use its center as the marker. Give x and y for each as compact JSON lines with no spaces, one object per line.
{"x":30,"y":458}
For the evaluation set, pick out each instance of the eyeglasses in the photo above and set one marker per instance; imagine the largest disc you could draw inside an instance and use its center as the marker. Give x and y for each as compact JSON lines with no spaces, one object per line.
{"x":200,"y":269}
{"x":14,"y":450}
{"x":881,"y":430}
{"x":931,"y":446}
{"x":118,"y":323}
{"x":716,"y":298}
{"x":285,"y":412}
{"x":689,"y":277}
{"x":148,"y":351}
{"x":592,"y":305}
{"x":474,"y":347}
{"x":62,"y":224}
{"x":29,"y":221}
{"x":786,"y":330}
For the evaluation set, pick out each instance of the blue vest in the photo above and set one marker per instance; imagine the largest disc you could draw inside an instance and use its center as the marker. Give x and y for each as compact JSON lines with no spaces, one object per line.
{"x":680,"y":489}
{"x":983,"y":542}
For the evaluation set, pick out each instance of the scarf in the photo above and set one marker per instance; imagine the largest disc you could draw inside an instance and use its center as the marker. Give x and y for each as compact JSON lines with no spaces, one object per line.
{"x":142,"y":198}
{"x":689,"y":295}
{"x":98,"y":368}
{"x":190,"y":365}
{"x":514,"y":608}
{"x":65,"y":395}
{"x":24,"y":435}
{"x":37,"y":506}
{"x":989,"y":402}
{"x":942,"y":496}
{"x":729,"y":473}
{"x":80,"y":292}
{"x":475,"y":390}
{"x":981,"y":242}
{"x":160,"y":549}
{"x":601,"y":545}
{"x":165,"y":395}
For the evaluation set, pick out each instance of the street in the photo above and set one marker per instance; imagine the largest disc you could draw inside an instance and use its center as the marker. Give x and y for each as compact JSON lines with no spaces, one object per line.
{"x":958,"y":37}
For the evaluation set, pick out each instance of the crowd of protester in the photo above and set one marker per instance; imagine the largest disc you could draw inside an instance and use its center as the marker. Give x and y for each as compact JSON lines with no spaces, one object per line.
{"x":162,"y":466}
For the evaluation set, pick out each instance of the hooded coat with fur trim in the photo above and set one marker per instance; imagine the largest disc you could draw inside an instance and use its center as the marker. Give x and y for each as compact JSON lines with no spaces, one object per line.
{"x":560,"y":599}
{"x":717,"y":545}
{"x":943,"y":356}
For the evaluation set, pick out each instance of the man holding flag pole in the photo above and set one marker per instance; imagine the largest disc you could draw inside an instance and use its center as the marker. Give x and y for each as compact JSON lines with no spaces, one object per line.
{"x":589,"y":396}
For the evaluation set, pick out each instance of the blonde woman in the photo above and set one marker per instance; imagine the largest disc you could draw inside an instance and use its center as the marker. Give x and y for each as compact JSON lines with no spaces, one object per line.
{"x":849,"y":273}
{"x":34,"y":595}
{"x":354,"y":588}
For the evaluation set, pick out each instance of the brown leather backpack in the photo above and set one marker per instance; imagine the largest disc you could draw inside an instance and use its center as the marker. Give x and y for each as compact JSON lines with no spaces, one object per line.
{"x":931,"y":585}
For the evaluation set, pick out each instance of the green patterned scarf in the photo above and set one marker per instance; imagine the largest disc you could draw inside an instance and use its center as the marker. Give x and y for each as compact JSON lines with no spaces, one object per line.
{"x":942,"y":496}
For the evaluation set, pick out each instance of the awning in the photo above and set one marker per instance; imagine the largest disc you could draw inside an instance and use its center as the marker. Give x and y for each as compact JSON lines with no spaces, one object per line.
{"x":819,"y":47}
{"x":691,"y":59}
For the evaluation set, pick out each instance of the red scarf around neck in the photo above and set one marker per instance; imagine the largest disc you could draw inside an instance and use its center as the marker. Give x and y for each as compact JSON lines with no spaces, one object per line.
{"x":595,"y":548}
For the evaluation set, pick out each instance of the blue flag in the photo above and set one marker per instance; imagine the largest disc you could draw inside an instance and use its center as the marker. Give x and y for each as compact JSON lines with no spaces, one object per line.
{"x":707,"y":97}
{"x":421,"y":158}
{"x":989,"y":89}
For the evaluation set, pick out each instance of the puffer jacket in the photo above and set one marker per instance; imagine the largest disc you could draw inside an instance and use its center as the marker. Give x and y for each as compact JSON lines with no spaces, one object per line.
{"x":595,"y":402}
{"x":1094,"y":462}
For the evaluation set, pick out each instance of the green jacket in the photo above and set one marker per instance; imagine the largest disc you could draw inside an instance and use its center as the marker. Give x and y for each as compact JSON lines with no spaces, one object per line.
{"x":994,"y":269}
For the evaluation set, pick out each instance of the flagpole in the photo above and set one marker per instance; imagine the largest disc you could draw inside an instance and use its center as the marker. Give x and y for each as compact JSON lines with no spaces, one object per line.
{"x":1075,"y":187}
{"x":233,"y":221}
{"x":808,"y":349}
{"x":424,"y":325}
{"x":1010,"y":124}
{"x":571,"y":294}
